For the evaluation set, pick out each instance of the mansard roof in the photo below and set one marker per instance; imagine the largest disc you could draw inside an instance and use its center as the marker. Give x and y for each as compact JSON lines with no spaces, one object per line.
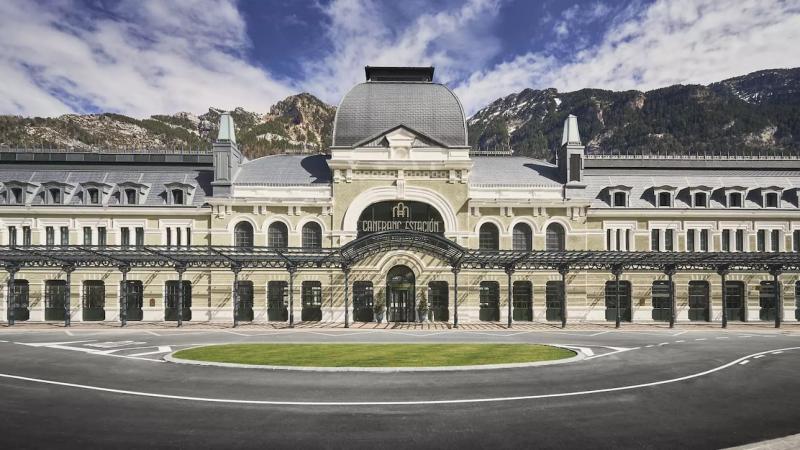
{"x":285,"y":170}
{"x":513,"y":171}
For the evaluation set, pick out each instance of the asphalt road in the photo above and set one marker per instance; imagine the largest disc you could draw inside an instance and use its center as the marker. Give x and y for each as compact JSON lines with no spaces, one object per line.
{"x":109,"y":388}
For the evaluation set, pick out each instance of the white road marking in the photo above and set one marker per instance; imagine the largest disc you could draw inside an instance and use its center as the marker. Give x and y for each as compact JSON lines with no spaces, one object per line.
{"x":389,"y":403}
{"x":48,"y":344}
{"x":776,"y":353}
{"x":663,"y":343}
{"x":648,"y":346}
{"x":759,"y":356}
{"x":680,"y":333}
{"x":161,"y":349}
{"x":723,"y":337}
{"x":616,"y":350}
{"x":68,"y":333}
{"x":700,"y":339}
{"x":744,"y":362}
{"x":234,"y":332}
{"x":3,"y":341}
{"x":679,"y":341}
{"x":152,"y":332}
{"x":598,"y":334}
{"x":114,"y":344}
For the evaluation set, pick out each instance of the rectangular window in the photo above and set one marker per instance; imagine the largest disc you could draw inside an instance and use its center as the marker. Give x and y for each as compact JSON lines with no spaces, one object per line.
{"x":700,"y":200}
{"x":726,"y":240}
{"x":311,"y":294}
{"x":668,"y":241}
{"x":12,"y":236}
{"x":87,"y":235}
{"x":489,"y":300}
{"x":739,"y":240}
{"x":703,"y":240}
{"x":26,"y":236}
{"x":775,"y":240}
{"x":94,"y":294}
{"x":574,"y":167}
{"x":139,"y":237}
{"x":664,"y":199}
{"x":55,"y":296}
{"x":660,"y":295}
{"x":130,"y":196}
{"x":64,"y":236}
{"x":655,"y":244}
{"x":735,"y":200}
{"x":620,"y":199}
{"x":17,"y":197}
{"x":771,"y":200}
{"x":169,"y":237}
{"x":188,"y":237}
{"x":796,"y":240}
{"x":690,"y":240}
{"x":55,"y":196}
{"x":608,"y":239}
{"x":94,"y":196}
{"x":178,"y":236}
{"x":50,"y":236}
{"x":761,"y":238}
{"x":171,"y":299}
{"x":125,"y":236}
{"x":101,"y":236}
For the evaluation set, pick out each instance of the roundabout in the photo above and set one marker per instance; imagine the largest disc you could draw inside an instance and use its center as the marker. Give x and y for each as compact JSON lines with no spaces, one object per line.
{"x":630,"y":389}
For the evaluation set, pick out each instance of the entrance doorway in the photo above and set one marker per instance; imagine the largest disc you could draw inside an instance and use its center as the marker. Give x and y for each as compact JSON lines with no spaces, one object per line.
{"x":400,"y":288}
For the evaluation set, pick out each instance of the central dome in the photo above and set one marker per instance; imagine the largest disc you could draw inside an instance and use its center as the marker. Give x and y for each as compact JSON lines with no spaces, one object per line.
{"x":375,"y":107}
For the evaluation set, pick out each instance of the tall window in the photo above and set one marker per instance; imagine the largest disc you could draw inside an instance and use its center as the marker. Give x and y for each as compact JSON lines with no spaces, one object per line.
{"x":94,"y":294}
{"x":101,"y":236}
{"x":554,"y":238}
{"x":690,"y":240}
{"x":796,"y":240}
{"x":278,"y":235}
{"x":177,"y":196}
{"x":171,"y":299}
{"x":726,"y":240}
{"x":739,"y":240}
{"x":49,"y":236}
{"x":775,"y":240}
{"x":55,"y":196}
{"x":620,"y":199}
{"x":704,"y":240}
{"x":655,"y":240}
{"x":243,"y":235}
{"x":87,"y":235}
{"x":26,"y":235}
{"x":17,"y":196}
{"x":125,"y":236}
{"x":771,"y":200}
{"x":12,"y":236}
{"x":93,"y":196}
{"x":700,"y":199}
{"x":489,"y":300}
{"x":312,"y":235}
{"x":21,"y":294}
{"x":488,"y":237}
{"x":311,"y":294}
{"x":139,"y":237}
{"x":522,"y":237}
{"x":363,"y":301}
{"x":64,"y":236}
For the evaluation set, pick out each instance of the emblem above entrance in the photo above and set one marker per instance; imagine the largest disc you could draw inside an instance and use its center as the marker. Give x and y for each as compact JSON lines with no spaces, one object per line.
{"x":400,"y":215}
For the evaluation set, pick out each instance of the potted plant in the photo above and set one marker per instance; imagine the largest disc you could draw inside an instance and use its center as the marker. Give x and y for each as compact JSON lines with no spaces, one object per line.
{"x":422,"y":308}
{"x":378,"y":308}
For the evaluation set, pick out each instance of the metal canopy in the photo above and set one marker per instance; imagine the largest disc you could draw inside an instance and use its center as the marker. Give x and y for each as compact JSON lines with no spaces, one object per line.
{"x":78,"y":256}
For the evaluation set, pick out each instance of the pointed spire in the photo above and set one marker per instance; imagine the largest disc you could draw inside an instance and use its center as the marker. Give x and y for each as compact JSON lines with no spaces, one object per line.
{"x":570,"y":135}
{"x":226,"y":128}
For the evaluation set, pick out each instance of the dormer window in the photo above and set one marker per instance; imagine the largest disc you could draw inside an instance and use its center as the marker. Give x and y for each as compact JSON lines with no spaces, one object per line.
{"x":771,"y":200}
{"x":93,"y":196}
{"x":130,"y":196}
{"x":54,"y":196}
{"x":700,"y":199}
{"x":620,"y":199}
{"x":177,"y":197}
{"x":17,"y":196}
{"x":664,"y":200}
{"x":735,"y":200}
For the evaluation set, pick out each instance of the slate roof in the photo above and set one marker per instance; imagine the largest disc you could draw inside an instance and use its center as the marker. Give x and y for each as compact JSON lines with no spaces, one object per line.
{"x":285,"y":170}
{"x":642,"y":183}
{"x":374,"y":107}
{"x":153,"y":177}
{"x":512,"y":171}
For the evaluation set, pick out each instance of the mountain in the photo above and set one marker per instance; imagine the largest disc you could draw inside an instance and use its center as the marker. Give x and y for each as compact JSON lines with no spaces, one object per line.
{"x":758,"y":112}
{"x":298,"y":122}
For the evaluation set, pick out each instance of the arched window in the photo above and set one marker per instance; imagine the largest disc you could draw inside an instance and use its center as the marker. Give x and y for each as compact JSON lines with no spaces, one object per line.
{"x":243,"y":235}
{"x":554,"y":238}
{"x":278,"y":235}
{"x":312,"y":235}
{"x":488,"y":237}
{"x":522,"y":237}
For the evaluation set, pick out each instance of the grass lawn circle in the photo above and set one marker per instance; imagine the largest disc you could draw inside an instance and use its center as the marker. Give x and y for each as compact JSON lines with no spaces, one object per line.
{"x":374,"y":355}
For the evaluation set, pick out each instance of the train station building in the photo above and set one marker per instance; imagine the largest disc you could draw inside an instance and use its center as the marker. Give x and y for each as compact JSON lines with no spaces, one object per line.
{"x":399,"y":212}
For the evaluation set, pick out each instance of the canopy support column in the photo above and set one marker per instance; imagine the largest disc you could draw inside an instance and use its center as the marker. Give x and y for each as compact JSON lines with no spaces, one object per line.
{"x":68,"y":303}
{"x":10,"y":299}
{"x":123,"y":296}
{"x":670,"y":272}
{"x":563,"y":270}
{"x":617,"y":271}
{"x":291,"y":269}
{"x":776,"y":271}
{"x":455,"y":269}
{"x":723,"y":272}
{"x":510,"y":271}
{"x":235,"y":269}
{"x":346,"y":271}
{"x":180,"y":269}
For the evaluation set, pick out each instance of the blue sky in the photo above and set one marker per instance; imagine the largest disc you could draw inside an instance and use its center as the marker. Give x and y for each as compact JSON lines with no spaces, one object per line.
{"x":153,"y":56}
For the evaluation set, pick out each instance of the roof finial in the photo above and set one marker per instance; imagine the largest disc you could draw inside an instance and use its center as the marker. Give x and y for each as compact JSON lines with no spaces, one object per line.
{"x":226,"y":128}
{"x":571,"y":135}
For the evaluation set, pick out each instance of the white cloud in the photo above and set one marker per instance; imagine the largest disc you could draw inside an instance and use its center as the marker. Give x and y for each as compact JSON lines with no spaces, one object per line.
{"x":455,"y":40}
{"x":144,"y":58}
{"x":668,"y":42}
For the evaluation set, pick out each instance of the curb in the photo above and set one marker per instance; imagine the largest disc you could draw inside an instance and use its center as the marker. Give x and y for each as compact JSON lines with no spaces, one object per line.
{"x":578,"y":357}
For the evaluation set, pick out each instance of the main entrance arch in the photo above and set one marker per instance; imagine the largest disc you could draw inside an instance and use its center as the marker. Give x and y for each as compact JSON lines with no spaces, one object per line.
{"x":400,"y":294}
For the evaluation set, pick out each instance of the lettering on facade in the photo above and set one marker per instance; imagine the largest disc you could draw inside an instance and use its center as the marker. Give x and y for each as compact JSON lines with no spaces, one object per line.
{"x":393,"y":215}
